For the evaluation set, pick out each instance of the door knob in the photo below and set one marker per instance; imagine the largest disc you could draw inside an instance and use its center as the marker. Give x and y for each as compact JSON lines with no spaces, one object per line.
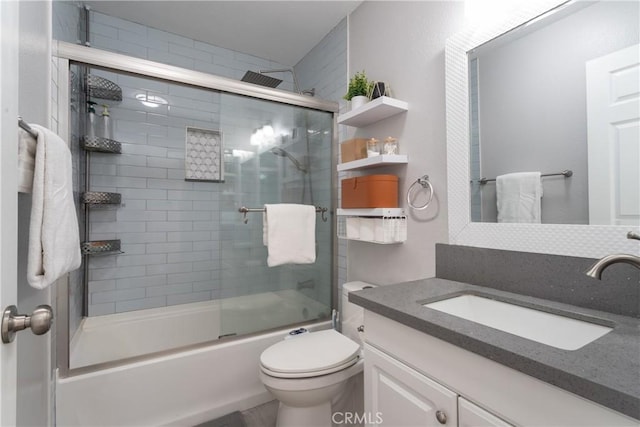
{"x":40,"y":321}
{"x":441,"y":417}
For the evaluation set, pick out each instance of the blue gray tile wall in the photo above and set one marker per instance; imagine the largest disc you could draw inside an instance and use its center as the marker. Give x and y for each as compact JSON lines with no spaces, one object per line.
{"x":178,"y":248}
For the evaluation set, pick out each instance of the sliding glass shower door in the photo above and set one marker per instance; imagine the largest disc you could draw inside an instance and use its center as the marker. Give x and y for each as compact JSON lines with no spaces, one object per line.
{"x":167,"y":252}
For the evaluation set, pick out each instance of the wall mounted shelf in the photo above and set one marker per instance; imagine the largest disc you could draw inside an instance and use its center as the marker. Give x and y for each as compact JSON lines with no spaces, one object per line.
{"x":381,"y":225}
{"x":101,"y":145}
{"x":101,"y":198}
{"x":99,"y":87}
{"x":373,"y":111}
{"x":374,"y":162}
{"x":101,"y":247}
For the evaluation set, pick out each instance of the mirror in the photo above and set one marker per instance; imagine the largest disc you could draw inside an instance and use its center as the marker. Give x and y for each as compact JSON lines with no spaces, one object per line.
{"x":531,"y":92}
{"x":563,"y":230}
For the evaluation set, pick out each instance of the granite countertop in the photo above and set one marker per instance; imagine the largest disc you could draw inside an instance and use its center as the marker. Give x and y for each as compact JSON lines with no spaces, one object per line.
{"x":606,"y":371}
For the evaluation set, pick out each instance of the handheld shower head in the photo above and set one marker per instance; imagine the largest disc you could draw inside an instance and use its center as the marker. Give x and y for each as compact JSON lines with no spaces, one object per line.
{"x":283,"y":153}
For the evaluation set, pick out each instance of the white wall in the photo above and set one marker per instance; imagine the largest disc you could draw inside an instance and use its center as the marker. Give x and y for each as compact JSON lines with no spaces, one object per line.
{"x":402,"y":43}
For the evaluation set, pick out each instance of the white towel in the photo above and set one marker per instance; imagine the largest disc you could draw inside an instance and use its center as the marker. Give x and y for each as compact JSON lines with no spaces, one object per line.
{"x":54,"y":242}
{"x":290,"y":234}
{"x":518,"y":197}
{"x":26,"y":161}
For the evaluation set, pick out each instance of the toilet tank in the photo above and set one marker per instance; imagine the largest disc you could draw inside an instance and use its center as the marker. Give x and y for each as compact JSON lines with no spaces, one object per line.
{"x":351,"y":315}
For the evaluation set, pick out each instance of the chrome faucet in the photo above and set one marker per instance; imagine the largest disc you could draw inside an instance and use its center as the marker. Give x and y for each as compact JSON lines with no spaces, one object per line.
{"x":596,"y":269}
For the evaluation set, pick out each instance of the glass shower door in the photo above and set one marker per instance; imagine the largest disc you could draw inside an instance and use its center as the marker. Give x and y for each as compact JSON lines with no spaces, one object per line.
{"x":274,"y":153}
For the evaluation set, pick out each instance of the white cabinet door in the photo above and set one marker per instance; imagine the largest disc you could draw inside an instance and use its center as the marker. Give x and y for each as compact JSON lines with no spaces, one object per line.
{"x":396,"y":395}
{"x":470,"y":415}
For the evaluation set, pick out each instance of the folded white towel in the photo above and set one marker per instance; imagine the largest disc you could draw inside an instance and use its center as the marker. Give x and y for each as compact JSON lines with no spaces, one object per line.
{"x":518,"y":197}
{"x":54,"y":242}
{"x":290,"y":234}
{"x":26,"y":161}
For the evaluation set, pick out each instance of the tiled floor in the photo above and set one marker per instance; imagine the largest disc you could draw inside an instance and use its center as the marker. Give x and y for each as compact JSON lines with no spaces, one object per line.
{"x":260,"y":416}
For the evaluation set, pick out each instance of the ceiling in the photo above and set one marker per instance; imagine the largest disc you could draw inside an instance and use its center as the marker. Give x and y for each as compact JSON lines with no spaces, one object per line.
{"x":282,"y":31}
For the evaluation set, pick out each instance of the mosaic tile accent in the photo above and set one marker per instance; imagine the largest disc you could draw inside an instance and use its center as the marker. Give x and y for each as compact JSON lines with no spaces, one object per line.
{"x":203,"y":155}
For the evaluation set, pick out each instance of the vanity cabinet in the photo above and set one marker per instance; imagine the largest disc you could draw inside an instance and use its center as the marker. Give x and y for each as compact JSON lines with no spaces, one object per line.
{"x":410,"y":376}
{"x":398,"y":395}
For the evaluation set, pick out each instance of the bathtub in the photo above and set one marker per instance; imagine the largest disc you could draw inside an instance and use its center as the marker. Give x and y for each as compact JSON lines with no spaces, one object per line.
{"x":181,"y":388}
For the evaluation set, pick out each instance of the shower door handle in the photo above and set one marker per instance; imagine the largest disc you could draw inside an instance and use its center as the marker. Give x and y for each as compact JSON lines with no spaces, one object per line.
{"x":40,"y":321}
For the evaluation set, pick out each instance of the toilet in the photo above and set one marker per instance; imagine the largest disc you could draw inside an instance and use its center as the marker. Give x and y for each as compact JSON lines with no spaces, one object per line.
{"x":308,"y":372}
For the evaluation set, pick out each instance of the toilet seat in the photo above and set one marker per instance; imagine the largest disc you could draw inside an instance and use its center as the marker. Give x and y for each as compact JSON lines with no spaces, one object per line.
{"x":310,"y":355}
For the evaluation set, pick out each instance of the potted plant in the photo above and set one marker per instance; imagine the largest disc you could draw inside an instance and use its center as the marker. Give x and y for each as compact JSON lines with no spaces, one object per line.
{"x":358,"y":90}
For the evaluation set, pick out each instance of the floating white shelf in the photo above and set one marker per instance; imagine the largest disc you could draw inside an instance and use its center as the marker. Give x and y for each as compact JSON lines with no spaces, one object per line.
{"x":374,"y":162}
{"x":382,"y":225}
{"x":373,"y":111}
{"x":379,"y":212}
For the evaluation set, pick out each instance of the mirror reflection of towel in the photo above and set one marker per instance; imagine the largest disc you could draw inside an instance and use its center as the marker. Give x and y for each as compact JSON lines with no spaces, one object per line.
{"x":518,"y":197}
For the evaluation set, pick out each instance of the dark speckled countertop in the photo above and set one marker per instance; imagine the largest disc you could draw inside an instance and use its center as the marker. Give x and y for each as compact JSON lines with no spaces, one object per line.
{"x":606,"y":371}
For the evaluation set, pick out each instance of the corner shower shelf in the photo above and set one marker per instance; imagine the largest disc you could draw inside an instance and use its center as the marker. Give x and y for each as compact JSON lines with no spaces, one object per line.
{"x":373,"y":111}
{"x":101,"y":198}
{"x":374,"y":162}
{"x":101,"y":247}
{"x":99,"y":87}
{"x":101,"y":145}
{"x":381,"y":225}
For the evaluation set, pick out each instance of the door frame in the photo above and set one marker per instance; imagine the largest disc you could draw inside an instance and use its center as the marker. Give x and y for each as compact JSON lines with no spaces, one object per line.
{"x":9,"y":77}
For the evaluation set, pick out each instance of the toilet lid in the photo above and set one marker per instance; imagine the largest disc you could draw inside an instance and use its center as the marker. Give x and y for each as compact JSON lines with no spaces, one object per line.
{"x":310,"y":353}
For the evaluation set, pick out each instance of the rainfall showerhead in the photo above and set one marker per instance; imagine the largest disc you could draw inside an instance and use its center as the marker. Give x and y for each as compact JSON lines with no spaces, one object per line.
{"x":283,"y":153}
{"x":260,"y":79}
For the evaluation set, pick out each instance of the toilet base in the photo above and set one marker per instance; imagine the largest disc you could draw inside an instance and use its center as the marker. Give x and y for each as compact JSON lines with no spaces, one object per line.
{"x":315,"y":416}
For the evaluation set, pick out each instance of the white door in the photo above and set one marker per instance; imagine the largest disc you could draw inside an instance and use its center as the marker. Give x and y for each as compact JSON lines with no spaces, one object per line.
{"x":396,"y":395}
{"x":613,"y":133}
{"x":8,"y":199}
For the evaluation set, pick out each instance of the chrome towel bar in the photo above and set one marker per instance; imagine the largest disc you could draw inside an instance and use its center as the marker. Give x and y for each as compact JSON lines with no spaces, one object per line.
{"x":244,"y":210}
{"x":25,"y":126}
{"x":566,"y":173}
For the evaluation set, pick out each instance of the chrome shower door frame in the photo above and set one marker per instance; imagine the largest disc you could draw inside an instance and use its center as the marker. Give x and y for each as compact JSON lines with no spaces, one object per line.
{"x":66,"y":53}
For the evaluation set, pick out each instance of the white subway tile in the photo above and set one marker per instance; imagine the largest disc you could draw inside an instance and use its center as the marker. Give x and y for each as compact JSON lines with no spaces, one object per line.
{"x":168,"y":205}
{"x":102,"y":309}
{"x":141,"y":282}
{"x":190,"y":52}
{"x":189,"y":277}
{"x":120,"y":294}
{"x":188,"y":216}
{"x":116,"y":273}
{"x":141,"y":215}
{"x":188,"y":298}
{"x":181,"y":236}
{"x":169,"y":268}
{"x":171,"y":184}
{"x":154,"y":248}
{"x":140,"y":194}
{"x":141,"y":304}
{"x":189,"y":256}
{"x":127,"y":260}
{"x":170,"y":226}
{"x":142,"y":237}
{"x":143,"y":172}
{"x":102,"y":285}
{"x":169,"y":289}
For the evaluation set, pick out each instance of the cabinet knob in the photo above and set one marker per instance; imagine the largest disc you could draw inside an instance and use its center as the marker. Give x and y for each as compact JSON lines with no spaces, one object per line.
{"x":441,"y":417}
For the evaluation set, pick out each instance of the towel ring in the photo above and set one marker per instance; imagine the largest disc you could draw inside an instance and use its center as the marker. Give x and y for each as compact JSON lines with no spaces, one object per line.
{"x":424,"y":183}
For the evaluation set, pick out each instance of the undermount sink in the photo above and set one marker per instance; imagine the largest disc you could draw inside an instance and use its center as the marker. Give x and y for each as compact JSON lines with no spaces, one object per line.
{"x":555,"y":330}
